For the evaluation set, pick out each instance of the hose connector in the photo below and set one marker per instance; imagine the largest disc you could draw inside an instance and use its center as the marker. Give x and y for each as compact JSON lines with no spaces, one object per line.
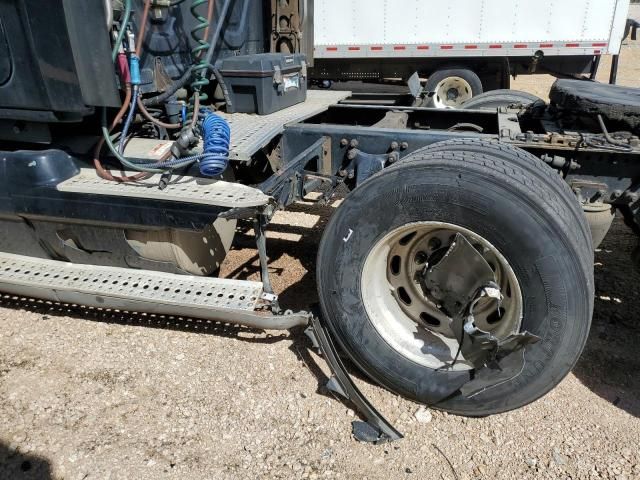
{"x":123,"y":68}
{"x":134,"y":68}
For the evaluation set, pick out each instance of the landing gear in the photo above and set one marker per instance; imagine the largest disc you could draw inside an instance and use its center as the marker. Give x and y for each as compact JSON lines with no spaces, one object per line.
{"x":461,"y":277}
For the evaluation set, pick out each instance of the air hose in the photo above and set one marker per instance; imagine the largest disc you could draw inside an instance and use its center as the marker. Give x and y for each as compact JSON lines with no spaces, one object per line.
{"x":116,"y":153}
{"x":214,"y":130}
{"x":124,"y":21}
{"x":216,"y":35}
{"x":213,"y":161}
{"x":200,"y":67}
{"x":134,"y":68}
{"x":182,"y":81}
{"x":216,"y":136}
{"x":127,"y":123}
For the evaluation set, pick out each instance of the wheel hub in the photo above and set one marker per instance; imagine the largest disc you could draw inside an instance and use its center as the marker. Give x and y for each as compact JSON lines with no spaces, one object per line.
{"x":452,"y":92}
{"x":412,"y":317}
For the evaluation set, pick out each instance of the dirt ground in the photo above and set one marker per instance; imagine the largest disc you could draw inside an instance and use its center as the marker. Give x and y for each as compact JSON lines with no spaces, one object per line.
{"x":93,"y":395}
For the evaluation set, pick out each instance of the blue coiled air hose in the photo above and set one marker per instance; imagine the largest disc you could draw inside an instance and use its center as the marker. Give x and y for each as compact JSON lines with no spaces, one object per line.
{"x":216,"y":136}
{"x":214,"y":159}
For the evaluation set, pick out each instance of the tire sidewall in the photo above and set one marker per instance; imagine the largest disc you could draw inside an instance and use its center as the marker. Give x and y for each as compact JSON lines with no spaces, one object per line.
{"x":555,"y":289}
{"x":499,"y":98}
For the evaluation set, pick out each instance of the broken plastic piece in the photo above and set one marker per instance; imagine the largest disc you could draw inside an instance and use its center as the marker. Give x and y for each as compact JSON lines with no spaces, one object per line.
{"x":458,"y":277}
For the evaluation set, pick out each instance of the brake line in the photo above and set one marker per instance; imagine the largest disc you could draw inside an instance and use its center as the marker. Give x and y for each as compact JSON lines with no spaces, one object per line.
{"x":123,"y":24}
{"x":138,"y":99}
{"x":103,"y":172}
{"x":217,"y":138}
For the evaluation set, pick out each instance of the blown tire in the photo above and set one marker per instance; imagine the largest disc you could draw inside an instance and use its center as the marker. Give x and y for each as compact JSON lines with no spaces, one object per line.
{"x":505,"y":200}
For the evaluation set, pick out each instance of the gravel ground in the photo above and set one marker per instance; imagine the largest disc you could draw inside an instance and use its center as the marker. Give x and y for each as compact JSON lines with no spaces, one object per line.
{"x":86,"y":394}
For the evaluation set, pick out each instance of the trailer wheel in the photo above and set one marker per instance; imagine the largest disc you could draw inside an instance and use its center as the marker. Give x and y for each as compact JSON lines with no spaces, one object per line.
{"x":500,"y":98}
{"x":515,"y":214}
{"x":452,"y":87}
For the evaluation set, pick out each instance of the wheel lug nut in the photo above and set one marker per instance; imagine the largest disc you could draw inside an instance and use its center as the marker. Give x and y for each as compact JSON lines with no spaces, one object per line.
{"x":421,"y":257}
{"x":435,"y":243}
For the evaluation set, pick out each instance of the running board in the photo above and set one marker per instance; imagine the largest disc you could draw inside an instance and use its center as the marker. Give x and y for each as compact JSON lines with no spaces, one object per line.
{"x":223,"y":300}
{"x":181,"y":189}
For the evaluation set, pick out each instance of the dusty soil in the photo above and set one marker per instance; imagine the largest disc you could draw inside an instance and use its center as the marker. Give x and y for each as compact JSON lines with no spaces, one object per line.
{"x":87,"y":394}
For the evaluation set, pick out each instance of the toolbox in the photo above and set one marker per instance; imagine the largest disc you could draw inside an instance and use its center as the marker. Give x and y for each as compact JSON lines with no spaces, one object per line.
{"x":263,"y":83}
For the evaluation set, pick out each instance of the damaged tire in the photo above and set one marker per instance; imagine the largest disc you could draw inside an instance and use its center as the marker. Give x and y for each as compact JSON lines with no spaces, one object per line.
{"x":580,"y":100}
{"x":524,"y":222}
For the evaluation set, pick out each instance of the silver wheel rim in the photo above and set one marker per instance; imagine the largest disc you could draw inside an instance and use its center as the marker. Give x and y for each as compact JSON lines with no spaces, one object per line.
{"x":411,"y":322}
{"x":452,"y":92}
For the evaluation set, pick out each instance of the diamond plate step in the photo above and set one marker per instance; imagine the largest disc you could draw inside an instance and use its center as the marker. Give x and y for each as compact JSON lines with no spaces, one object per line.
{"x":127,"y":289}
{"x":249,"y":133}
{"x":183,"y":189}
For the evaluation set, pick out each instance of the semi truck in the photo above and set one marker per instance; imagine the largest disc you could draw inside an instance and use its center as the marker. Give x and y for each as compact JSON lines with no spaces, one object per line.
{"x":464,"y":47}
{"x":137,"y":137}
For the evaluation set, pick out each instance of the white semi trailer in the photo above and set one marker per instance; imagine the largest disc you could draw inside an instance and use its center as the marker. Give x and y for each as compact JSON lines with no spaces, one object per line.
{"x":464,"y":46}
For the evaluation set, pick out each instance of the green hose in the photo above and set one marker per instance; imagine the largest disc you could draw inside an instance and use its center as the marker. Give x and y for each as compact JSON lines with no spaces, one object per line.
{"x":200,"y":66}
{"x":123,"y":29}
{"x":143,"y":167}
{"x":114,"y":150}
{"x":199,"y":71}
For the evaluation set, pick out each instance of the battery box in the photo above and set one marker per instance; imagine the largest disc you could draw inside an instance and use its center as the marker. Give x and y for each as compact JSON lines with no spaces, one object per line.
{"x":263,"y":83}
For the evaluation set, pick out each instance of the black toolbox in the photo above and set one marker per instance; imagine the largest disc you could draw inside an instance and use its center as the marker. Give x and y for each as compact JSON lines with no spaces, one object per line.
{"x":263,"y":83}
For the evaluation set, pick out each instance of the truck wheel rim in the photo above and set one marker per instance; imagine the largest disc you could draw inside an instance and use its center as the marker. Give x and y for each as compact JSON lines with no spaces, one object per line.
{"x":452,"y":92}
{"x":407,"y":319}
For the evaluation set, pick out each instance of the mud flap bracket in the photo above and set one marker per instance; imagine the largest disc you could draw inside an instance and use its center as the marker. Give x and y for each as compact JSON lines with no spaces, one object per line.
{"x":375,"y":429}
